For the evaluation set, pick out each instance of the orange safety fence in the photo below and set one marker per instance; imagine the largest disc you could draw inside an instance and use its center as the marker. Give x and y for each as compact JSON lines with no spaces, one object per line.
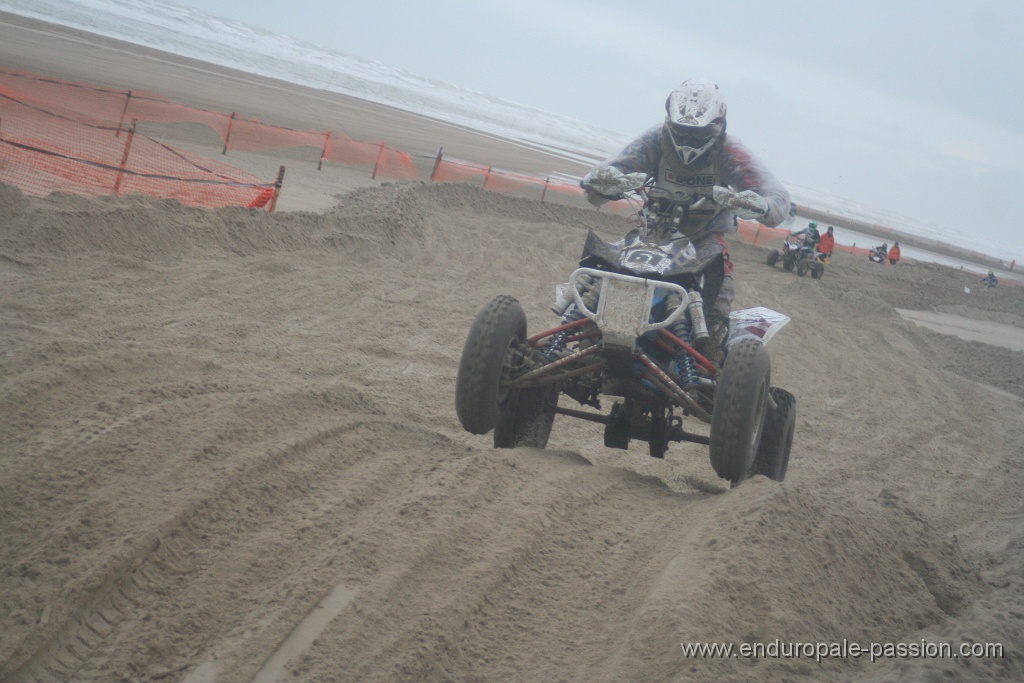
{"x":505,"y":181}
{"x":247,"y":134}
{"x":59,"y":154}
{"x":74,"y":137}
{"x":344,"y":150}
{"x":44,"y":149}
{"x":458,"y":171}
{"x":88,"y":100}
{"x":105,"y":104}
{"x":757,"y":234}
{"x":393,"y":163}
{"x":565,"y":188}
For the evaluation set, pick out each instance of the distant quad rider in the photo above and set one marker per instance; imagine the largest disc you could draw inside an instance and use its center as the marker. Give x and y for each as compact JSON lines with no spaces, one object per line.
{"x":878,"y":254}
{"x":690,"y":153}
{"x":810,"y":235}
{"x":990,"y":280}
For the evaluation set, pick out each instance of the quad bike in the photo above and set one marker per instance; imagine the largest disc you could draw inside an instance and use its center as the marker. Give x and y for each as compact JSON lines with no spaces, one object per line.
{"x":633,"y":316}
{"x":878,"y":254}
{"x":804,"y":258}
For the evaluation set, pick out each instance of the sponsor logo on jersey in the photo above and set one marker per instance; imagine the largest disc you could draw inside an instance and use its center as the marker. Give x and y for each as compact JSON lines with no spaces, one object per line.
{"x":699,"y":180}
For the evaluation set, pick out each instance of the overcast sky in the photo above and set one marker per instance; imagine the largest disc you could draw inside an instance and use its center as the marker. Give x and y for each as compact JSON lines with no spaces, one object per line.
{"x":908,"y":107}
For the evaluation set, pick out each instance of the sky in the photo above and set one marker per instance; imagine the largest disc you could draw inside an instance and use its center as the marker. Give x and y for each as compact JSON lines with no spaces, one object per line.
{"x":911,"y":107}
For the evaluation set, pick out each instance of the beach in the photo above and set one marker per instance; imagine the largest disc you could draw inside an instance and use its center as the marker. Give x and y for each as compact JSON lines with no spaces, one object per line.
{"x":230,"y":450}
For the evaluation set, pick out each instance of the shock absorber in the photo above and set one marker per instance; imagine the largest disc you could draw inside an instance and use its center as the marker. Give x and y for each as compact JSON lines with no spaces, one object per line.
{"x":688,"y":327}
{"x":555,"y":346}
{"x":685,"y":365}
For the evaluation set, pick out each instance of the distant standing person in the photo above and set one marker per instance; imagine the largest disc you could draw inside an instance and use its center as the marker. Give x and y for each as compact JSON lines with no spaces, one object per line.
{"x":894,"y":254}
{"x":827,"y":243}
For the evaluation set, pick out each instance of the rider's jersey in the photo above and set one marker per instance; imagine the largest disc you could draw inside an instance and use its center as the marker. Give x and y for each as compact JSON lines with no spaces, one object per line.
{"x":733,"y":165}
{"x":698,"y":180}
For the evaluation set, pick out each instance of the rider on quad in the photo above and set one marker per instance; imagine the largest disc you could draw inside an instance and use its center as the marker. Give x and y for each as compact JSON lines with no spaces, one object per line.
{"x":879,"y":254}
{"x":691,"y":154}
{"x":810,"y":236}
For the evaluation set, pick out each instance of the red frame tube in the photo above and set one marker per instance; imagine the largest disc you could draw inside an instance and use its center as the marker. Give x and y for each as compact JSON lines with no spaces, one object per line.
{"x":532,"y":341}
{"x":705,"y":363}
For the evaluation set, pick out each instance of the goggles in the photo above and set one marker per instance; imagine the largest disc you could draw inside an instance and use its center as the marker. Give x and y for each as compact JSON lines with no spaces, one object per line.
{"x":693,"y":136}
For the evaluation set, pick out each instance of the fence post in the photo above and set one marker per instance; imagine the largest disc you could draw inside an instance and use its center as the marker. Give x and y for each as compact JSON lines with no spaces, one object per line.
{"x":545,"y":190}
{"x":277,"y":190}
{"x":380,"y":155}
{"x":488,"y":177}
{"x":227,"y":137}
{"x":437,"y":162}
{"x":120,"y":122}
{"x":327,"y":144}
{"x":124,"y":157}
{"x":756,"y":236}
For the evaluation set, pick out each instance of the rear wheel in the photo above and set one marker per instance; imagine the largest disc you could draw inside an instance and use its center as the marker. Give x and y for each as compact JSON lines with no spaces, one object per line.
{"x":741,"y":403}
{"x":526,"y":418}
{"x":777,"y":437}
{"x":773,"y":257}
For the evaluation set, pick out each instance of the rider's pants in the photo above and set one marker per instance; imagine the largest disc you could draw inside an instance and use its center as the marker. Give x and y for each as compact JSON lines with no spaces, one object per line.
{"x":707,"y":247}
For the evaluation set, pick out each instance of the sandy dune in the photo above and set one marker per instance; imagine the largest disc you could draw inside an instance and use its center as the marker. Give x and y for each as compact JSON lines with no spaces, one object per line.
{"x":227,"y":431}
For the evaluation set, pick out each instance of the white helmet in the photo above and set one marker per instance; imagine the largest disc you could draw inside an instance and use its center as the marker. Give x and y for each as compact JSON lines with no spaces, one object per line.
{"x":695,"y":118}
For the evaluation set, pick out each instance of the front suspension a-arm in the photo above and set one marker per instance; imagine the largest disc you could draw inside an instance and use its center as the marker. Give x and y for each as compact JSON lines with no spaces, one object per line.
{"x":546,"y":374}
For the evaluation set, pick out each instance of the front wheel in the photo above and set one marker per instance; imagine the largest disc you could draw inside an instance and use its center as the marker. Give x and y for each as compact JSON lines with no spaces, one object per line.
{"x":777,"y":437}
{"x":741,"y":403}
{"x":817,"y":270}
{"x":773,"y":257}
{"x":802,"y":267}
{"x":490,"y":353}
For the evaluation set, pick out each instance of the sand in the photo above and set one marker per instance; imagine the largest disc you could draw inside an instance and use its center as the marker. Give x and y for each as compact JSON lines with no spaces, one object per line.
{"x":230,"y":451}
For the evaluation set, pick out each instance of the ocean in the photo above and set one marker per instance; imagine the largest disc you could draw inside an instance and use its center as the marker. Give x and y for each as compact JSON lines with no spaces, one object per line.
{"x":195,"y":34}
